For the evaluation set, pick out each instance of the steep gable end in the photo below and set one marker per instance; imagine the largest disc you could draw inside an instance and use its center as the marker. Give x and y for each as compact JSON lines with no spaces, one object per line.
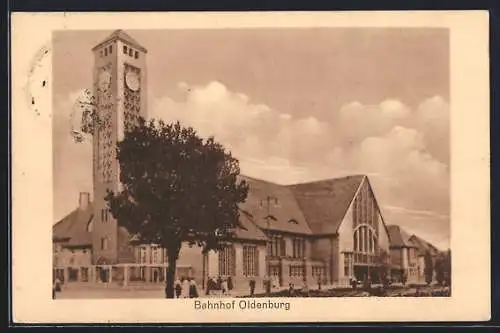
{"x":325,"y":203}
{"x":72,"y":230}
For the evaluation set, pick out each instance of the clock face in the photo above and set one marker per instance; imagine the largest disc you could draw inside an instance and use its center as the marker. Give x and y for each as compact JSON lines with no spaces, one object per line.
{"x":104,"y":80}
{"x":132,"y":80}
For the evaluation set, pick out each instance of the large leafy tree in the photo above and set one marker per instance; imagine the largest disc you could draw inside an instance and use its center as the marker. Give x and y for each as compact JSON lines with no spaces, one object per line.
{"x":176,"y":188}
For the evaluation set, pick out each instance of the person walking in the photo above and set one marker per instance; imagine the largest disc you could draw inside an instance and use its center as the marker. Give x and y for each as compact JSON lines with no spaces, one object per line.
{"x":252,"y":287}
{"x":209,"y":286}
{"x":193,"y":289}
{"x":185,"y":287}
{"x":178,"y":288}
{"x":224,"y":286}
{"x":230,"y":285}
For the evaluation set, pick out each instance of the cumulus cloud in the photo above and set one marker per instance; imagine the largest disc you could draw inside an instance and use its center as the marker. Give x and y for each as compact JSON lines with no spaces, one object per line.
{"x":403,"y":149}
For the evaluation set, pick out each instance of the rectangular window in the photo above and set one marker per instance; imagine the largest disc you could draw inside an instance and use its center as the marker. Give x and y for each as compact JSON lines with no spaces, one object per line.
{"x":110,"y":49}
{"x":282,"y":247}
{"x":250,"y":261}
{"x":296,"y":271}
{"x":130,"y":52}
{"x":298,"y":247}
{"x":104,"y":243}
{"x":277,"y":246}
{"x":226,"y":261}
{"x":143,"y":254}
{"x":136,"y":55}
{"x":154,"y":250}
{"x":125,"y":51}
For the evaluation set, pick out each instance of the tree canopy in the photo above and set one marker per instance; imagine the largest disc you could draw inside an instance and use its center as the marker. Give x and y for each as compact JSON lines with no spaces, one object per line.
{"x":176,"y":187}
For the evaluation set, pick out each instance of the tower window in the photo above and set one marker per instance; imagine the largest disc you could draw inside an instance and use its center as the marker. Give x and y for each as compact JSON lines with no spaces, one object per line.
{"x":136,"y":55}
{"x":125,"y":49}
{"x":105,"y":51}
{"x":130,"y":52}
{"x":104,"y":243}
{"x":110,"y":49}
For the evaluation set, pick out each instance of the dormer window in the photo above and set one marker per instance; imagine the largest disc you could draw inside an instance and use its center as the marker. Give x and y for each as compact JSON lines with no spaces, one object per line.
{"x":125,"y":49}
{"x":105,"y":52}
{"x":110,"y":49}
{"x":130,"y":52}
{"x":136,"y":55}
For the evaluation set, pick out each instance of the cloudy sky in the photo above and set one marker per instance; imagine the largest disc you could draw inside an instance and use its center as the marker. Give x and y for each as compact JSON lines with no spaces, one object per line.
{"x":293,"y":105}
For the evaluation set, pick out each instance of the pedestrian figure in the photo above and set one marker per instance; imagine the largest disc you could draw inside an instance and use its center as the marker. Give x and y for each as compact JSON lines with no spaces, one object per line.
{"x":185,"y":287}
{"x":230,"y":285}
{"x":209,"y":286}
{"x":354,"y":283}
{"x":224,"y":286}
{"x":319,"y":283}
{"x":405,"y":278}
{"x":291,"y":290}
{"x":305,"y":289}
{"x":252,"y":287}
{"x":193,"y":289}
{"x":267,"y":285}
{"x":219,"y":283}
{"x":178,"y":288}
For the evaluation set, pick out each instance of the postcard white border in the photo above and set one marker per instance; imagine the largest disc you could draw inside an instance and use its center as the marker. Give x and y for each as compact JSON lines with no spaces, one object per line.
{"x":32,"y":176}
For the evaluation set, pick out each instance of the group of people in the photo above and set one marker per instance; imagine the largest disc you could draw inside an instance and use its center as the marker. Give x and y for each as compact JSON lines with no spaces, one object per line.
{"x":224,"y":285}
{"x":185,"y":288}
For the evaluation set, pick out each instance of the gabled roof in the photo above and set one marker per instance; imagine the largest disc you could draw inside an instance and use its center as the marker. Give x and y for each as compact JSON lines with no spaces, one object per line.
{"x":249,"y":230}
{"x":281,"y":213}
{"x":72,"y":230}
{"x":398,"y":237}
{"x":424,"y":246}
{"x":325,"y":203}
{"x":124,"y":37}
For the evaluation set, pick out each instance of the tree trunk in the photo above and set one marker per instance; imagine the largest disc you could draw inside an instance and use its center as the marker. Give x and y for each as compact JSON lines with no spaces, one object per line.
{"x":172,"y":255}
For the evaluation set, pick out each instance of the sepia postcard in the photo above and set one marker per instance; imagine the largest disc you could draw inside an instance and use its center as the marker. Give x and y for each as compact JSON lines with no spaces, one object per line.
{"x":250,"y":167}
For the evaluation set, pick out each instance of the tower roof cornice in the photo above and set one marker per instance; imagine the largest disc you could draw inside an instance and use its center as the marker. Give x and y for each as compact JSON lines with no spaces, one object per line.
{"x":122,"y":36}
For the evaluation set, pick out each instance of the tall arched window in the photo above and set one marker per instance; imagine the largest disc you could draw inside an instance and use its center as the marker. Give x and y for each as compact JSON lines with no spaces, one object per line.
{"x":364,"y":239}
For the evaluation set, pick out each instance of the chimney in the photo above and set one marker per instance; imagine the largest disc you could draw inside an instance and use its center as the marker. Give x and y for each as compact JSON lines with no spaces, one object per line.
{"x":84,"y":200}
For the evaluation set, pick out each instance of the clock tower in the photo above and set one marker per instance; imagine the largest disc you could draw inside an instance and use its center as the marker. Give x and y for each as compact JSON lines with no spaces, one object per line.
{"x":120,"y":96}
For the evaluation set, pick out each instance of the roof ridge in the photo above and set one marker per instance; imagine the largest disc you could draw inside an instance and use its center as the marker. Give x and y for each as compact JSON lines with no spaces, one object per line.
{"x":326,"y":180}
{"x":123,"y":36}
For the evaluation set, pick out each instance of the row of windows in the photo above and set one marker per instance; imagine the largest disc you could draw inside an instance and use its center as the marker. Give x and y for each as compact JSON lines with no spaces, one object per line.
{"x":105,"y":215}
{"x":227,"y":261}
{"x":130,"y":52}
{"x":107,"y":50}
{"x":276,"y":247}
{"x":363,"y":258}
{"x":296,"y":270}
{"x":156,"y":255}
{"x":318,"y":271}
